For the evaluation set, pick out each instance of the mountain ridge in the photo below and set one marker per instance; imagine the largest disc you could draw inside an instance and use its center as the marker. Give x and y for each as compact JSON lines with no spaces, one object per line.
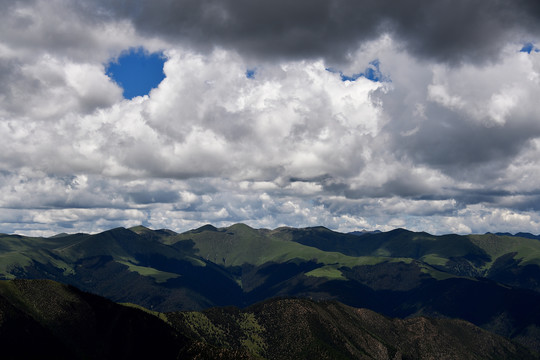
{"x":399,"y":273}
{"x":63,"y":322}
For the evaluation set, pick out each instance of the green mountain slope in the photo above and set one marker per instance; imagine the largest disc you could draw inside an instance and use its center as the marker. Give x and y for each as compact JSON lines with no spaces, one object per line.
{"x":398,"y":273}
{"x":239,"y":245}
{"x":433,"y":250}
{"x":122,"y":265}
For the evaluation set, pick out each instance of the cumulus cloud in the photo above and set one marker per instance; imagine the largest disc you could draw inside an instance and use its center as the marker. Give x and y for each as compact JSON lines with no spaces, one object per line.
{"x":255,"y":123}
{"x":478,"y":118}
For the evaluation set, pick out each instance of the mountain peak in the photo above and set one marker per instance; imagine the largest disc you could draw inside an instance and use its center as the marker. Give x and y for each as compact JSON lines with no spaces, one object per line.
{"x":240,"y":227}
{"x":61,"y":235}
{"x":399,"y":231}
{"x":207,"y":227}
{"x":139,"y":229}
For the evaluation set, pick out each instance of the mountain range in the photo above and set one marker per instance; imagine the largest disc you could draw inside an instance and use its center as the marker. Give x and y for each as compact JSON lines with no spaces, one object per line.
{"x":489,"y":280}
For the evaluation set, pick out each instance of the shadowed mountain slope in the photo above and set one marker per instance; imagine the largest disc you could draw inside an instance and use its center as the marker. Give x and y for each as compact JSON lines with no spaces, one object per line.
{"x":45,"y":319}
{"x":304,"y":329}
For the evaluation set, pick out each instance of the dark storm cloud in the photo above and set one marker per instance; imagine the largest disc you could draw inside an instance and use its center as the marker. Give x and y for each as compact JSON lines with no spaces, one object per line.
{"x":527,"y":203}
{"x":478,"y":195}
{"x":462,"y":30}
{"x":497,"y":198}
{"x":457,"y":145}
{"x":404,"y":186}
{"x":151,"y":197}
{"x":449,"y":31}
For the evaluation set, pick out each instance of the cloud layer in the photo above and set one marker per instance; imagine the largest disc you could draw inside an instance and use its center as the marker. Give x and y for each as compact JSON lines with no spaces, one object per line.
{"x":447,"y":141}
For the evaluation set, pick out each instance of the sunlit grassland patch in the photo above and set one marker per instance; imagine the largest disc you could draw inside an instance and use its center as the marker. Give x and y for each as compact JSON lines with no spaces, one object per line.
{"x":328,"y":271}
{"x":157,"y":275}
{"x":433,"y":259}
{"x":439,"y":275}
{"x":526,"y":250}
{"x":10,"y":261}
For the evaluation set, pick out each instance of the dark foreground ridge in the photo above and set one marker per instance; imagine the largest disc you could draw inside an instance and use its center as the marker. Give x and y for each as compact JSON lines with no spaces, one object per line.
{"x":45,"y":319}
{"x":42,"y":319}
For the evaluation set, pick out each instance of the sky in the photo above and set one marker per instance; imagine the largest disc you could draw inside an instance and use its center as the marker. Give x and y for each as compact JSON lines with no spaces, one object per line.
{"x":136,"y":71}
{"x":352,"y":115}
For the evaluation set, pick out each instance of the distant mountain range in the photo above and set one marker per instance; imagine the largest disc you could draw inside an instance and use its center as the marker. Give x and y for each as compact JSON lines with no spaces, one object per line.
{"x":364,"y":232}
{"x":519,"y":234}
{"x":490,"y":280}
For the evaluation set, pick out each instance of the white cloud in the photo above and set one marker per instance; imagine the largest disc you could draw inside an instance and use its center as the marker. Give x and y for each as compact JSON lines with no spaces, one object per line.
{"x":187,"y":128}
{"x":490,"y":94}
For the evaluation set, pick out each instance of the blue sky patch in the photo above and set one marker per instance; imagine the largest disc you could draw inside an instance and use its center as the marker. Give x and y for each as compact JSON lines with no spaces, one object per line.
{"x":250,"y":73}
{"x":137,"y":71}
{"x":372,"y":72}
{"x":529,"y":47}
